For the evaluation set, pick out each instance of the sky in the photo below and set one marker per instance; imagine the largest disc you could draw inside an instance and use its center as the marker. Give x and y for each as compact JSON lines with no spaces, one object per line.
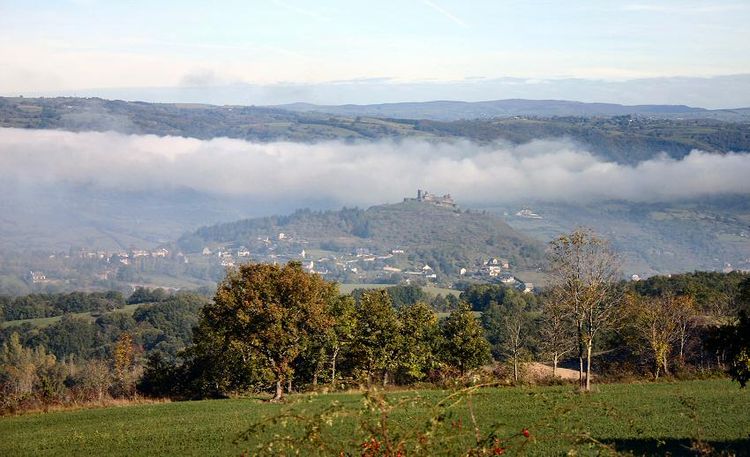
{"x":436,"y":48}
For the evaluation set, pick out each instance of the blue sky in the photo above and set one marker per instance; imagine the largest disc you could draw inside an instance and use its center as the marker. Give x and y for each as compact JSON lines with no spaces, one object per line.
{"x":78,"y":45}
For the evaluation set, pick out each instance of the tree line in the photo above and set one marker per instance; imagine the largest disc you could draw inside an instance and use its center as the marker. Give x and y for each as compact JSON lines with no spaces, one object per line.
{"x":280,"y":329}
{"x":49,"y":305}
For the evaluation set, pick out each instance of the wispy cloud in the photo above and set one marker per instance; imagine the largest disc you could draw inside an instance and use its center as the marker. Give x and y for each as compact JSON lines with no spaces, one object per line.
{"x":445,"y":13}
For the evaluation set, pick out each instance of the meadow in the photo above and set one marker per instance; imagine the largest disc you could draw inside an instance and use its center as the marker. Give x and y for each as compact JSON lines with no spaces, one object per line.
{"x":680,"y":418}
{"x":47,"y":321}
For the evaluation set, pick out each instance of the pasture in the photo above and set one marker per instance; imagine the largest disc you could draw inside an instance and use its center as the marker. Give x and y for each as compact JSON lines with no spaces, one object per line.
{"x":680,"y":418}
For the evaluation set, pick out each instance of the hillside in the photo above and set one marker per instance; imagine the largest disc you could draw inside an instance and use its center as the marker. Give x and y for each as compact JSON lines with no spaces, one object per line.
{"x":404,"y":236}
{"x":451,"y":110}
{"x":655,"y":238}
{"x":624,"y":138}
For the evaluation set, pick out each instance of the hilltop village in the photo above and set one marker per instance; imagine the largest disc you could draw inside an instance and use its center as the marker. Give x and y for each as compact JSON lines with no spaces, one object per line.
{"x":173,"y":266}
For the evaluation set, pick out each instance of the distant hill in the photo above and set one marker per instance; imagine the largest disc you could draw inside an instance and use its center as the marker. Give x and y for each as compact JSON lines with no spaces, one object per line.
{"x":707,"y":233}
{"x":447,"y":110}
{"x":445,"y":238}
{"x":623,"y":138}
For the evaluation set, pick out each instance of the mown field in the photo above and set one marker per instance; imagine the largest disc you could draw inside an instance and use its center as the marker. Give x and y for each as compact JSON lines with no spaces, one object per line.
{"x":650,"y":419}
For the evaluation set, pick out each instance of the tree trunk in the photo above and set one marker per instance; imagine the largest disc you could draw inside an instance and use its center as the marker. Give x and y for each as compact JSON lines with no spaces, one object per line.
{"x":385,"y":378}
{"x":579,"y":333}
{"x":588,"y":366}
{"x":279,"y":390}
{"x":515,"y":368}
{"x":333,"y":366}
{"x":665,"y":364}
{"x":682,"y":347}
{"x":289,"y":385}
{"x":581,"y":384}
{"x":554,"y":365}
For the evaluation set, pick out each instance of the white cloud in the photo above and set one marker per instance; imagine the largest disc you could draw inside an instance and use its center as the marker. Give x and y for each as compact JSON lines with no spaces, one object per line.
{"x":452,"y":17}
{"x":360,"y":173}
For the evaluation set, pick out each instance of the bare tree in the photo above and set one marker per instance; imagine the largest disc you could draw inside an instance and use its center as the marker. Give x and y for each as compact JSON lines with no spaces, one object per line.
{"x":514,"y":339}
{"x":585,"y":275}
{"x":556,"y":332}
{"x":686,"y":316}
{"x":658,"y":323}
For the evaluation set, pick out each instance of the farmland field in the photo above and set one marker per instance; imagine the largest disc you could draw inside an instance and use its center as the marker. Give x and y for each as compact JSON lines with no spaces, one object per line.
{"x":347,"y":288}
{"x":650,"y":419}
{"x":47,"y":321}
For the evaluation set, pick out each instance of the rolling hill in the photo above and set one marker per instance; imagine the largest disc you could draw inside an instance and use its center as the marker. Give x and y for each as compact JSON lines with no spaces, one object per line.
{"x":612,"y":132}
{"x":450,"y":110}
{"x":445,"y":238}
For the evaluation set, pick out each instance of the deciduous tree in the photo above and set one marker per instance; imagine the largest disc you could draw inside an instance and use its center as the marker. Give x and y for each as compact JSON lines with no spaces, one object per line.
{"x":585,"y":274}
{"x":557,"y":335}
{"x":377,"y":335}
{"x":419,"y":339}
{"x":270,"y":312}
{"x":464,"y":344}
{"x":658,"y":323}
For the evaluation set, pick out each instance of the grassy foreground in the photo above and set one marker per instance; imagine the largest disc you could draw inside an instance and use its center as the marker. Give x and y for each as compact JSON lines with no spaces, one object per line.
{"x":651,"y":419}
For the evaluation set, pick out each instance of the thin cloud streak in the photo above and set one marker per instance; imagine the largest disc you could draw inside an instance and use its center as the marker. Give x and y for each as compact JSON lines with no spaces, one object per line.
{"x":445,"y":13}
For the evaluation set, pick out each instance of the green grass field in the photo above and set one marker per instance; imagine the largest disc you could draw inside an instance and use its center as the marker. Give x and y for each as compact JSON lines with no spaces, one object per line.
{"x":650,"y":419}
{"x":47,"y":321}
{"x":347,"y":288}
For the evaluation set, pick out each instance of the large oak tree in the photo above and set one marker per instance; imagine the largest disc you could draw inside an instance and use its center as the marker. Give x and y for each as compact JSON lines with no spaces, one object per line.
{"x":270,"y":313}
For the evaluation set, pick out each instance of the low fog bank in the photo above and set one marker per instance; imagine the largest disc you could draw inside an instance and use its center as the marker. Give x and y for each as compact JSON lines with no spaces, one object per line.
{"x":360,"y":173}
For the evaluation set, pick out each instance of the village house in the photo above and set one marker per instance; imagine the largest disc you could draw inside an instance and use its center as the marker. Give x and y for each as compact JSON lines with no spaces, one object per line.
{"x":37,"y":277}
{"x":498,"y":262}
{"x":227,"y":262}
{"x":507,"y":278}
{"x":493,"y":270}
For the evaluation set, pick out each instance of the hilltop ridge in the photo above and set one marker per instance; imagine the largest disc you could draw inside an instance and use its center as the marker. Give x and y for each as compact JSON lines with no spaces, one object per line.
{"x":390,"y":238}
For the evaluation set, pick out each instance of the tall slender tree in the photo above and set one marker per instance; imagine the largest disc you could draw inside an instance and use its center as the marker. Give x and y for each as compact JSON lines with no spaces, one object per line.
{"x":419,"y":339}
{"x":557,"y":336}
{"x":585,"y":275}
{"x":464,"y":344}
{"x":377,"y":335}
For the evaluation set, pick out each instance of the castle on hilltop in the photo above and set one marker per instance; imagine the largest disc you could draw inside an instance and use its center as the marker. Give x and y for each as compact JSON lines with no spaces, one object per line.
{"x":426,"y":197}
